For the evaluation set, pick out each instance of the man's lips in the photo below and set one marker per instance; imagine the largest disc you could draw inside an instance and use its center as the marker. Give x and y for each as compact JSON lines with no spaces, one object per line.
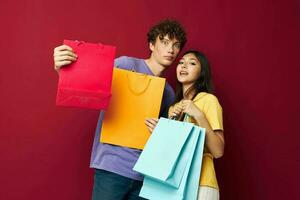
{"x":169,"y":57}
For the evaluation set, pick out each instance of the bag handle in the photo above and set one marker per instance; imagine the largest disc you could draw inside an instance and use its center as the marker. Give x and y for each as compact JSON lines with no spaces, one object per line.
{"x":130,"y":86}
{"x":77,"y":42}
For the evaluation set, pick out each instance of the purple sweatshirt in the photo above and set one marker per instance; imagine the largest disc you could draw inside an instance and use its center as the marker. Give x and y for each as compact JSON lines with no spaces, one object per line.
{"x":117,"y":159}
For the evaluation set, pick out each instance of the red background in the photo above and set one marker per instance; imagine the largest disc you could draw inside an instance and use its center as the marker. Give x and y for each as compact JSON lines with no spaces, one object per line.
{"x":253,"y":47}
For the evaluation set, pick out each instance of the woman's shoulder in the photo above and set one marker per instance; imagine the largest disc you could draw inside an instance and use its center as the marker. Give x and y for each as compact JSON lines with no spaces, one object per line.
{"x":205,"y":97}
{"x":207,"y":100}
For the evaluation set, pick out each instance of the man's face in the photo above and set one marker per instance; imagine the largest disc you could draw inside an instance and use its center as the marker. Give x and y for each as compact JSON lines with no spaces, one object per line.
{"x":165,"y":50}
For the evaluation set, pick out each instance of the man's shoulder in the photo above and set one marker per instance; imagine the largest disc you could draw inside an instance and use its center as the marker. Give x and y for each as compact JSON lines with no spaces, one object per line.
{"x":128,"y":59}
{"x":126,"y":62}
{"x":169,"y":92}
{"x":169,"y":87}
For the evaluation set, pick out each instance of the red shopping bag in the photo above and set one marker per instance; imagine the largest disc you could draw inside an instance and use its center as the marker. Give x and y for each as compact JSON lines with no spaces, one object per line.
{"x":86,"y":83}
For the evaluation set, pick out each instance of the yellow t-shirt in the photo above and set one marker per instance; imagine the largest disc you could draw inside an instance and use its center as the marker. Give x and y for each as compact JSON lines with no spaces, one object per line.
{"x":210,"y":106}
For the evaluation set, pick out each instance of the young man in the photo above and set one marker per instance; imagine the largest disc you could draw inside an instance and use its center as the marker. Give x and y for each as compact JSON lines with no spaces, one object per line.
{"x":114,"y":178}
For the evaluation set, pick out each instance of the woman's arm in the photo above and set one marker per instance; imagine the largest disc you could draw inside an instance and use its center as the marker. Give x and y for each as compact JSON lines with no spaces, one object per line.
{"x":214,"y":140}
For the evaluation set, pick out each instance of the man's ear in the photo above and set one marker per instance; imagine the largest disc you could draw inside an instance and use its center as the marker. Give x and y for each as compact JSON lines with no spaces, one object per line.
{"x":151,"y":46}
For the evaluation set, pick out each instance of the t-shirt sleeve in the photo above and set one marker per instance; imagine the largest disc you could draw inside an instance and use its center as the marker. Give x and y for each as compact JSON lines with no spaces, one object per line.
{"x":123,"y":62}
{"x":167,"y":101}
{"x":213,"y":112}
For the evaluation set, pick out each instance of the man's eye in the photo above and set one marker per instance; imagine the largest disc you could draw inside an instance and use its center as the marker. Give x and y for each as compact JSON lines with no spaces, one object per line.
{"x":177,"y":46}
{"x":165,"y":42}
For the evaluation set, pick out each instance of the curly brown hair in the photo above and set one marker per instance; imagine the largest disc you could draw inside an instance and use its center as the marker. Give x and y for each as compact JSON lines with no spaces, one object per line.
{"x":169,"y":27}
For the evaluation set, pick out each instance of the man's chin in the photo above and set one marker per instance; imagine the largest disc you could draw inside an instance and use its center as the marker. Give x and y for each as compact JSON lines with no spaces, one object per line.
{"x":168,"y":63}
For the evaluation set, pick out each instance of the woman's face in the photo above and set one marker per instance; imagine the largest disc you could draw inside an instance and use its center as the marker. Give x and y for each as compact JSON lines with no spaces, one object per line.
{"x":188,"y":69}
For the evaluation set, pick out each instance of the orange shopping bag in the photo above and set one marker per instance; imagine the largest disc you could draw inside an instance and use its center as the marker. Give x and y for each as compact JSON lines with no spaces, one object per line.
{"x":135,"y":97}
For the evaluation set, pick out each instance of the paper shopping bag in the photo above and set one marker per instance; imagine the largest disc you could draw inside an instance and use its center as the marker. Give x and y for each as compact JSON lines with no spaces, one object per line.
{"x":135,"y":97}
{"x":86,"y":83}
{"x":182,"y":155}
{"x":166,"y":144}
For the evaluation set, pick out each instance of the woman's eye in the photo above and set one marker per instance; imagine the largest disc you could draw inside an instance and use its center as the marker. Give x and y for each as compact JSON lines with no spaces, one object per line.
{"x":180,"y":62}
{"x":193,"y":63}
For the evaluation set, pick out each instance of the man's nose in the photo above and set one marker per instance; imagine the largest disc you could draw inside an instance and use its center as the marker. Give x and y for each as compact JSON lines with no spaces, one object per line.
{"x":171,"y":49}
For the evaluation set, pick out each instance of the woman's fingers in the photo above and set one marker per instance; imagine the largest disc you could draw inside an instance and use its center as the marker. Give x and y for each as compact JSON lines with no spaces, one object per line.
{"x":178,"y":110}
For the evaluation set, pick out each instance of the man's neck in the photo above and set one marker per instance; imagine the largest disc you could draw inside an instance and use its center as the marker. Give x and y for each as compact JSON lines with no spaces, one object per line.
{"x":156,"y":68}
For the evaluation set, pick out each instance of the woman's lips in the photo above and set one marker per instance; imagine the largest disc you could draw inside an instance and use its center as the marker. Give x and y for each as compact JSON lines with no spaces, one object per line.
{"x":183,"y":73}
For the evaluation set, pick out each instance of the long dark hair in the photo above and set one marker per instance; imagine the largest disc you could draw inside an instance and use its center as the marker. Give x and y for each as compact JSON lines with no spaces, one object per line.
{"x":202,"y":84}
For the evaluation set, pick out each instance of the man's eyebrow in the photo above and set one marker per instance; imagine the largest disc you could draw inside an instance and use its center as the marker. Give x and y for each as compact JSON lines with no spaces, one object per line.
{"x":164,"y":38}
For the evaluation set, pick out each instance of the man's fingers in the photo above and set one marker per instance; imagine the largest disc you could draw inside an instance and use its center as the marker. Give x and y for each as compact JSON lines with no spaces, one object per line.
{"x":58,"y":65}
{"x":63,"y":47}
{"x":64,"y":53}
{"x":152,"y":120}
{"x":64,"y":58}
{"x":150,"y":124}
{"x":150,"y":129}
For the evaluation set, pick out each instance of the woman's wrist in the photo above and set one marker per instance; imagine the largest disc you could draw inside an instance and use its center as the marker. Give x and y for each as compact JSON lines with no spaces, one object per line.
{"x":198,"y":115}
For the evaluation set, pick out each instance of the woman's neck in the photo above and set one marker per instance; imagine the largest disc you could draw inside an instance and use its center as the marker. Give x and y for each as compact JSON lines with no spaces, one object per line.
{"x":188,"y":91}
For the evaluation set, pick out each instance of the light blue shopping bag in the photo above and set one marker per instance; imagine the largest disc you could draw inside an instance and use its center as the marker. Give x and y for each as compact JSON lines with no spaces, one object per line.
{"x":164,"y":147}
{"x":171,"y":161}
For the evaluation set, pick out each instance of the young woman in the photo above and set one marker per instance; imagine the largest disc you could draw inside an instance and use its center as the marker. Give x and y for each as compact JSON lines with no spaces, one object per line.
{"x":195,"y":103}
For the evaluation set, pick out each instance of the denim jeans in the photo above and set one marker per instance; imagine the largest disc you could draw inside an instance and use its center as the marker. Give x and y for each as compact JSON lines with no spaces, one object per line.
{"x":111,"y":186}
